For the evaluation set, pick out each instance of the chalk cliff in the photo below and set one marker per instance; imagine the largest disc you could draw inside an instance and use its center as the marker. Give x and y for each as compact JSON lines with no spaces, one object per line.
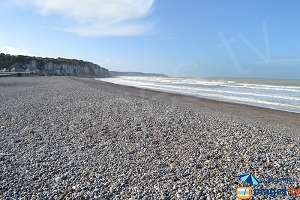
{"x":51,"y":66}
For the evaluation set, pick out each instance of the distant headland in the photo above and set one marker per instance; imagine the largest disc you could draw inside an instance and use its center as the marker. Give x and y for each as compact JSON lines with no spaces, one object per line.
{"x":115,"y":73}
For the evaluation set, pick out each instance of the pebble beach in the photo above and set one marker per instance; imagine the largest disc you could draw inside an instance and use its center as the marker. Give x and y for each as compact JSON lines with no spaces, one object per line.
{"x":78,"y":138}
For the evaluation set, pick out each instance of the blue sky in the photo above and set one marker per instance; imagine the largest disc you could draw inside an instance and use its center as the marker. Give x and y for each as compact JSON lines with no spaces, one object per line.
{"x":203,"y":38}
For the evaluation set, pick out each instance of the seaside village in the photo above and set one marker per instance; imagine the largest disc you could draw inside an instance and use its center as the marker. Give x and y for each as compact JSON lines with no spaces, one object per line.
{"x":19,"y":65}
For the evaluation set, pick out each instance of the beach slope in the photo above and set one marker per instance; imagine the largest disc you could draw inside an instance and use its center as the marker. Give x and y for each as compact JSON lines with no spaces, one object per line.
{"x":68,"y":137}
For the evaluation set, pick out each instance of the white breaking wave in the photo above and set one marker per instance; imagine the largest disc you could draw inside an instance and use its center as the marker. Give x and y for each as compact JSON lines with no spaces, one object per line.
{"x":276,"y":96}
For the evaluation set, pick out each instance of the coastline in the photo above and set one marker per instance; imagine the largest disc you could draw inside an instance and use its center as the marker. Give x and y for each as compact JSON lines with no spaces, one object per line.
{"x":273,"y":94}
{"x":73,"y":137}
{"x":283,"y":121}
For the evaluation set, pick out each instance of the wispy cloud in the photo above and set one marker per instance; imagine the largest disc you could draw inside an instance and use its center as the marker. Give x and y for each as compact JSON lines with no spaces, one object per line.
{"x":97,"y":17}
{"x":21,"y":50}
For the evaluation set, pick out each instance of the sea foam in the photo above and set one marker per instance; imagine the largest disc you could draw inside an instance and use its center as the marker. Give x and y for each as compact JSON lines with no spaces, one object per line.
{"x":274,"y":94}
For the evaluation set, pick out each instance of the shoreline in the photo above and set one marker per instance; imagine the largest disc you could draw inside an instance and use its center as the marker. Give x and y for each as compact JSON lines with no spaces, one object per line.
{"x":241,"y":112}
{"x":272,"y":94}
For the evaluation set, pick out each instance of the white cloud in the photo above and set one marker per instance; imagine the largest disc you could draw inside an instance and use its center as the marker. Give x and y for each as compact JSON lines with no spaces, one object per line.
{"x":14,"y":50}
{"x":97,"y":17}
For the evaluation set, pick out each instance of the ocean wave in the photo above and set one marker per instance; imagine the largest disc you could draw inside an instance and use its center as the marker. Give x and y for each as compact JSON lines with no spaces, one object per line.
{"x":281,"y":97}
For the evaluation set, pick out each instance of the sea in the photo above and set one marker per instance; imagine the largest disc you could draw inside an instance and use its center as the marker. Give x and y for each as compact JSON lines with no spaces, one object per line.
{"x":268,"y":93}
